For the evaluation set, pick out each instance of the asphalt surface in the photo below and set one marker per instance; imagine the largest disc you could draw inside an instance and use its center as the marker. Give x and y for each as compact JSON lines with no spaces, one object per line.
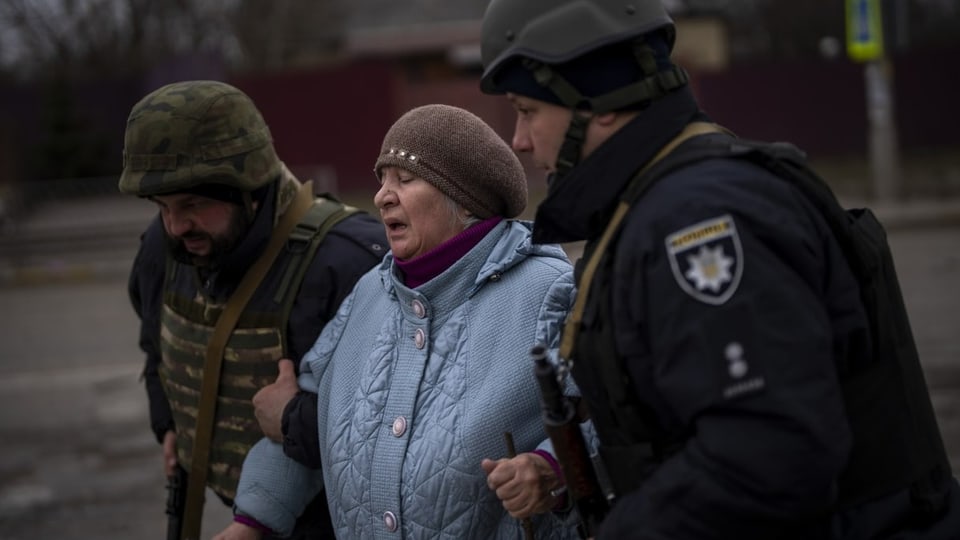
{"x":77,"y":459}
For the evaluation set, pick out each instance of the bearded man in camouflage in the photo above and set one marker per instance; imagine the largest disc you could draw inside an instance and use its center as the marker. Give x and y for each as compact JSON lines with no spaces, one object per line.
{"x":201,"y":151}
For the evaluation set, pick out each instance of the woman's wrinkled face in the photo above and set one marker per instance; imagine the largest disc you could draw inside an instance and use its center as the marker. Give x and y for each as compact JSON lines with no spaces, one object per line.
{"x":416,"y":215}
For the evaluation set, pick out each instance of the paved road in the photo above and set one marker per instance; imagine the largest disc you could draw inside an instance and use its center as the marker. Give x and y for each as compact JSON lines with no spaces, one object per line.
{"x":928,"y":263}
{"x":77,"y":459}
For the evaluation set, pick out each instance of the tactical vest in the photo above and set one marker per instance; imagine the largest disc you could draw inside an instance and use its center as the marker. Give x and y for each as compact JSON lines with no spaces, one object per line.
{"x":250,"y":358}
{"x":896,"y":440}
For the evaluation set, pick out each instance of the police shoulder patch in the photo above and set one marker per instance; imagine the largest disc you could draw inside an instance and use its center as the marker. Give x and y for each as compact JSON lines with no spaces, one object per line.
{"x":707,"y":259}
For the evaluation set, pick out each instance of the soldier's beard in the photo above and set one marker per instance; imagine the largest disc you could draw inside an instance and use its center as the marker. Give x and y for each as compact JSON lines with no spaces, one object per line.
{"x":220,"y":245}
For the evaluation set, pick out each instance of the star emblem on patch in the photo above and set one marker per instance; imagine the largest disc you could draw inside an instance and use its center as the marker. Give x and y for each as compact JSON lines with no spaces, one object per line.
{"x":709,"y":268}
{"x":707,"y":259}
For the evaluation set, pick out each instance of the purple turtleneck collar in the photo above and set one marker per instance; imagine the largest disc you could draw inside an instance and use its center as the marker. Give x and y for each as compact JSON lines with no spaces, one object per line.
{"x":423,"y":268}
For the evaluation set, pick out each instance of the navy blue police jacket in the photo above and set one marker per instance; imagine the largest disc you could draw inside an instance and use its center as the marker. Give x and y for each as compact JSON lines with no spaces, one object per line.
{"x":730,"y":302}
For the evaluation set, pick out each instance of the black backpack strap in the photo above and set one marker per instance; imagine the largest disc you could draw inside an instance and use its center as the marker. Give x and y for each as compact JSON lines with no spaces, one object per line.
{"x":784,"y":160}
{"x":303,"y":243}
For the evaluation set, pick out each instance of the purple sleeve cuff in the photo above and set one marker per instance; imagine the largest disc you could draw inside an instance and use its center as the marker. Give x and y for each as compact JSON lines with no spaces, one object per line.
{"x":250,"y":522}
{"x":560,"y":493}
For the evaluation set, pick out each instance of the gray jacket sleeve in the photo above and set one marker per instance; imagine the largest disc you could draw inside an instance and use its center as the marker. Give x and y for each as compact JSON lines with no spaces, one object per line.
{"x":275,"y":489}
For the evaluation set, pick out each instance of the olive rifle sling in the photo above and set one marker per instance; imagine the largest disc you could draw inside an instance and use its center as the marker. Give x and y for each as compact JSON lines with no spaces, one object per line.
{"x":196,"y":483}
{"x":641,"y":181}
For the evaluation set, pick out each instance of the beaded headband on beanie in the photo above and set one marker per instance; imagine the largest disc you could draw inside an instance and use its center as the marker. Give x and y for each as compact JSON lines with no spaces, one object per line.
{"x":461,"y":156}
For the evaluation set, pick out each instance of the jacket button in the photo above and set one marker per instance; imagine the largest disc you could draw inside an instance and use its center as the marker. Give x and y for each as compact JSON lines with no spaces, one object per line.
{"x":390,"y":520}
{"x":399,"y":426}
{"x":418,"y":308}
{"x":419,"y":338}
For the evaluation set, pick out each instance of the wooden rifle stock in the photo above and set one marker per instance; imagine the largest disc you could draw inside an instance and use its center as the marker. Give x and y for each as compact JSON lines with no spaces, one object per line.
{"x":563,"y":427}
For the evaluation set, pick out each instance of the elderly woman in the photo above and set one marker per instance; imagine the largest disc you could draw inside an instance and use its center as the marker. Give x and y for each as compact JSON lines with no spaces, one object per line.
{"x":406,"y":397}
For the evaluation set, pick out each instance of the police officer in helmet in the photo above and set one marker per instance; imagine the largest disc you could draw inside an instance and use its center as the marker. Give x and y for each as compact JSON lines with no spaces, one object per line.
{"x":718,"y":321}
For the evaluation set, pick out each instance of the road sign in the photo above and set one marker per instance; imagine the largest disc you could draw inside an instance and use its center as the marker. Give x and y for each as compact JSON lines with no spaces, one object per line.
{"x":864,"y":30}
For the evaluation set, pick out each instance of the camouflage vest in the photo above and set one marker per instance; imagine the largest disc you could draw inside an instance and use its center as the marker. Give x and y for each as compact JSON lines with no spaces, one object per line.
{"x":250,"y":357}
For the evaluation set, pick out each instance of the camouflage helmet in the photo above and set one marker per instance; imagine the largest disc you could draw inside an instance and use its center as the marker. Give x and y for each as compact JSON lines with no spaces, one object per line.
{"x":193,"y":133}
{"x":557,"y":31}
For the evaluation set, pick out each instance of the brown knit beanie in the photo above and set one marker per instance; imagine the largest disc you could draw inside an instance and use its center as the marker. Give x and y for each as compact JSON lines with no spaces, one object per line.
{"x":461,"y":156}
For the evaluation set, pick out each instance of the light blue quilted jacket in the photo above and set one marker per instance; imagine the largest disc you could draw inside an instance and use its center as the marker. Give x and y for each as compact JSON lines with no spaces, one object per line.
{"x":415,"y":387}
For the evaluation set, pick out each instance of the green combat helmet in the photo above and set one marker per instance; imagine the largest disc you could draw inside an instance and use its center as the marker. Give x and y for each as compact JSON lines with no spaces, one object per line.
{"x":192,"y":133}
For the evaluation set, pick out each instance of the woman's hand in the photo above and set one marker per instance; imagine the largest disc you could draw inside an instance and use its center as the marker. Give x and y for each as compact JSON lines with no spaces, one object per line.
{"x":522,"y":483}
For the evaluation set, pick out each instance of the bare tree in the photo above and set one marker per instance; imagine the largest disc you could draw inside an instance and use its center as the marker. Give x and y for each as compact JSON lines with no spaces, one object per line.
{"x":73,"y":38}
{"x":91,"y":38}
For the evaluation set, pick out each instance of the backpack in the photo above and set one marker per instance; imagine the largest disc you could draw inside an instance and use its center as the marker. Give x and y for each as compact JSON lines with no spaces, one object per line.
{"x":896,"y":440}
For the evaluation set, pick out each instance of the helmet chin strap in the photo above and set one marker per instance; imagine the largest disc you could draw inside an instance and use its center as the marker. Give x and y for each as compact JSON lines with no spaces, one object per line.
{"x":580,"y":107}
{"x":572,"y":147}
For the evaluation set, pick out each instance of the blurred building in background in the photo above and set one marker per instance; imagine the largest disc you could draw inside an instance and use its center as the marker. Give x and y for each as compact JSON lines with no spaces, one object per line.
{"x":330,"y":78}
